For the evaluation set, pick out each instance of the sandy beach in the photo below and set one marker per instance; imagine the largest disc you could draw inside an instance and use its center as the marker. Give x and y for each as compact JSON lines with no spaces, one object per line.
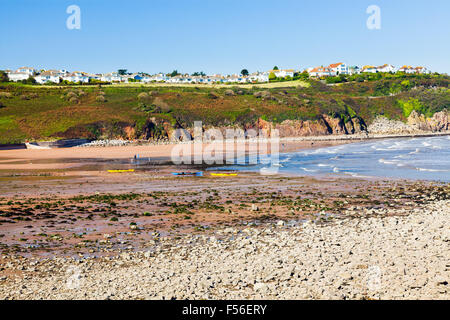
{"x":68,"y":226}
{"x":59,"y":158}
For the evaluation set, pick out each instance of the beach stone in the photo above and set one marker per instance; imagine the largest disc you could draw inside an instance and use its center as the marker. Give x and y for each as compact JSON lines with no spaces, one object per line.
{"x":400,"y":255}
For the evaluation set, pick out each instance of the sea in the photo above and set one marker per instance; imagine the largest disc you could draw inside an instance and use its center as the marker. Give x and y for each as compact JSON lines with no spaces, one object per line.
{"x":419,"y":158}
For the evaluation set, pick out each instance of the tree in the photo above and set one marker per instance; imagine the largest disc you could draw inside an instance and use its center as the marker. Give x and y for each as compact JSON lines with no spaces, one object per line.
{"x":272,"y":76}
{"x":244,"y":72}
{"x":3,"y":76}
{"x":196,"y":74}
{"x":122,"y":72}
{"x":275,"y":68}
{"x":174,"y":73}
{"x":304,"y":75}
{"x":30,"y":80}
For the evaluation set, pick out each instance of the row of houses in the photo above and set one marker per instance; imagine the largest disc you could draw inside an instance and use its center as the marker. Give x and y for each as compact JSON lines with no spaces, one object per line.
{"x":57,"y":76}
{"x":45,"y":76}
{"x":342,"y":68}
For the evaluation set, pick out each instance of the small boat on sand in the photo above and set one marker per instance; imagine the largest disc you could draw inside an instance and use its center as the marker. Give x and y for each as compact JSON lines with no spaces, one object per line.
{"x":224,"y":174}
{"x":195,"y":174}
{"x":33,"y":145}
{"x":121,"y":171}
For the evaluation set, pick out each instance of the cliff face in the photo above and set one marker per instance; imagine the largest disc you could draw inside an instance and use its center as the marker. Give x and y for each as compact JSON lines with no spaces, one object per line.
{"x":439,"y":121}
{"x":416,"y":123}
{"x":326,"y":125}
{"x":162,"y":130}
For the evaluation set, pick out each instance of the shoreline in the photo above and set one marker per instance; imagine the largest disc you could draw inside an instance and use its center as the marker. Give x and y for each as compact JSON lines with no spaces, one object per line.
{"x":61,"y":158}
{"x":126,"y":143}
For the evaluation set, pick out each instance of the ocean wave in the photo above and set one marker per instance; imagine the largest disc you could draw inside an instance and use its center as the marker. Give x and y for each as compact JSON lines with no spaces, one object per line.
{"x":308,"y":170}
{"x":431,"y":170}
{"x":388,"y":161}
{"x":356,"y":175}
{"x":324,"y":165}
{"x":286,"y":160}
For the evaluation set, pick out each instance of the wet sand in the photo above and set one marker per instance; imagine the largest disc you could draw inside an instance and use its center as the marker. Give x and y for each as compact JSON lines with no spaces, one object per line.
{"x":38,"y":159}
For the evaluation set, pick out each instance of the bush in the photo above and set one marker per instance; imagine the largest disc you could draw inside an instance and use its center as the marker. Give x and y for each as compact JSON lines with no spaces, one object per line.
{"x":143,"y":96}
{"x":272,"y":76}
{"x":229,"y":92}
{"x":2,"y":105}
{"x":263,"y":94}
{"x":161,"y":105}
{"x":71,"y":95}
{"x":5,"y":95}
{"x":213,"y":95}
{"x":410,"y":105}
{"x":73,"y":100}
{"x":100,"y":98}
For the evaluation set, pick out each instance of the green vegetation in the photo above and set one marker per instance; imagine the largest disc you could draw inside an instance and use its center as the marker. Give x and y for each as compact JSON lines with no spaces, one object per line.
{"x":29,"y":112}
{"x":412,"y":104}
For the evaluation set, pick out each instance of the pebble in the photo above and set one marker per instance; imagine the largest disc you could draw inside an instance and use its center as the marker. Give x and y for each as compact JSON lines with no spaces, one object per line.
{"x":380,"y":257}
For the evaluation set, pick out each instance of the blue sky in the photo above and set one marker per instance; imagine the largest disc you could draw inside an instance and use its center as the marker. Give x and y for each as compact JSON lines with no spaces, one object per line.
{"x":217,"y":36}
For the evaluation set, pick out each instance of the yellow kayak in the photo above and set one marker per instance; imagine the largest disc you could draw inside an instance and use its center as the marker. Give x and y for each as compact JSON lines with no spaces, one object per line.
{"x":224,"y":174}
{"x":120,"y":171}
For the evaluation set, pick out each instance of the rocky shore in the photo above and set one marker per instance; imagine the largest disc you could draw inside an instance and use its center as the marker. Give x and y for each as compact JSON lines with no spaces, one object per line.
{"x":400,"y":254}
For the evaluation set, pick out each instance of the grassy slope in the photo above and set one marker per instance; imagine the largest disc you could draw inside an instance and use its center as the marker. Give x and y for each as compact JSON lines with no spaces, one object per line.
{"x":44,"y":112}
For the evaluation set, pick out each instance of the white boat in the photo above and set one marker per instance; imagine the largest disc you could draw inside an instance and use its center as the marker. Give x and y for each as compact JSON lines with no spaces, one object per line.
{"x":34,"y":145}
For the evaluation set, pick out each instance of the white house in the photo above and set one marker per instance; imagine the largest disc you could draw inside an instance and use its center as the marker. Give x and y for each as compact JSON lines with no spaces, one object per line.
{"x":321,"y":72}
{"x":386,"y":68}
{"x":18,"y":76}
{"x":282,"y":73}
{"x":234,"y":78}
{"x":94,"y":76}
{"x":338,"y":68}
{"x":214,"y":78}
{"x":27,"y":70}
{"x":259,"y":77}
{"x":111,"y":77}
{"x":160,"y":77}
{"x":407,"y":69}
{"x":354,"y":70}
{"x":76,"y":77}
{"x":422,"y":70}
{"x":369,"y":69}
{"x":48,"y":76}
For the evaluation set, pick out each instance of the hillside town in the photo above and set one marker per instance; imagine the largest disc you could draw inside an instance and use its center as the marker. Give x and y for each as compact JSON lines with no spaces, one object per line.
{"x":121,"y":76}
